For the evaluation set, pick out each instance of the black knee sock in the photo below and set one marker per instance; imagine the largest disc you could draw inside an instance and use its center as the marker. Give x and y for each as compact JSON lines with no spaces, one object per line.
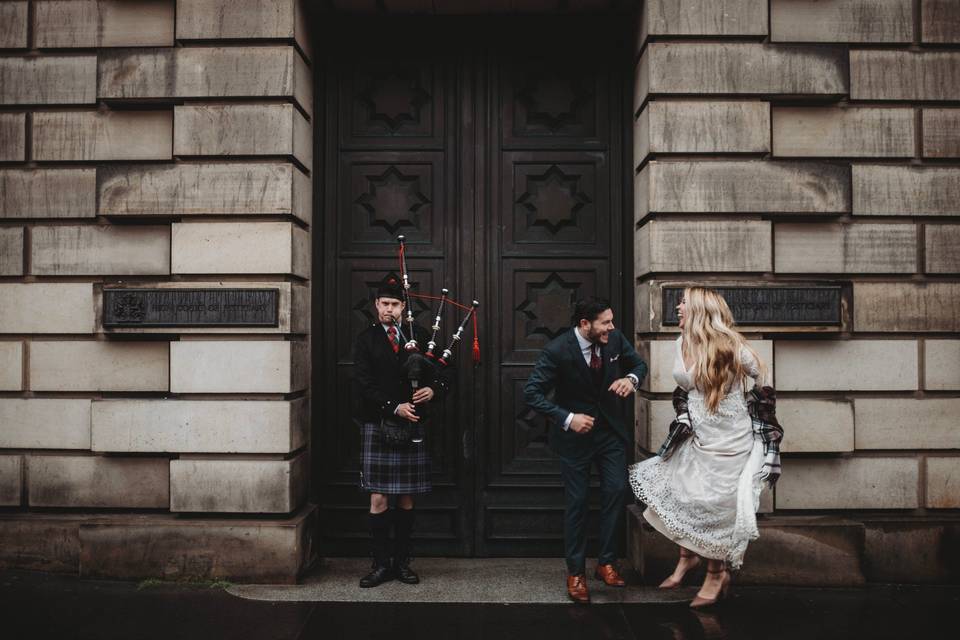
{"x":380,"y":531}
{"x":403,"y":518}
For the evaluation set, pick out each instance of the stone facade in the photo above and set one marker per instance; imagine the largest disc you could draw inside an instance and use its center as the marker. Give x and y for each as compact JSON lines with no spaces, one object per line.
{"x":134,"y":155}
{"x":170,"y":144}
{"x":818,"y":152}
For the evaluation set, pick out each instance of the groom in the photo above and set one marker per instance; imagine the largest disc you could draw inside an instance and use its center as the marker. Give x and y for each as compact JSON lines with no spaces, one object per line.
{"x":591,"y":367}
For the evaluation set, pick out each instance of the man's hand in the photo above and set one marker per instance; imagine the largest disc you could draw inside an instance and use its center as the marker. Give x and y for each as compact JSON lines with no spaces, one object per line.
{"x":622,"y":387}
{"x":406,"y":411}
{"x":581,"y":423}
{"x":422,"y":395}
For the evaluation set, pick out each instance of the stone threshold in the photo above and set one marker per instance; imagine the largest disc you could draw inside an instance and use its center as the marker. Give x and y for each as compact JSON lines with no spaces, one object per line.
{"x":458,"y":581}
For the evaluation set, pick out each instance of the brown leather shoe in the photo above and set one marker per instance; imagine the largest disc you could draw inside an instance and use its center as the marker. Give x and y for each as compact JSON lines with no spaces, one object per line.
{"x":608,"y":573}
{"x":577,"y":589}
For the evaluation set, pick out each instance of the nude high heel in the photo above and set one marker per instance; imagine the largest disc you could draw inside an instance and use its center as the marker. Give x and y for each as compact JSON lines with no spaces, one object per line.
{"x":673,"y":583}
{"x":700,"y":603}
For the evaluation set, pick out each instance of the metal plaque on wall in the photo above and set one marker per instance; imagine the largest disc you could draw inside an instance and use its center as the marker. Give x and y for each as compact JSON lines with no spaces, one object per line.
{"x":769,"y":306}
{"x":190,"y":307}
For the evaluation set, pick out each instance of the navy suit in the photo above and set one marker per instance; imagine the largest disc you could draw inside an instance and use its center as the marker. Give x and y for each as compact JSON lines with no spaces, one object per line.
{"x":562,"y":369}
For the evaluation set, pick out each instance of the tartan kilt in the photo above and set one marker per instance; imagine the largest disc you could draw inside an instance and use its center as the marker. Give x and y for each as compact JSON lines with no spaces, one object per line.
{"x":392,"y":470}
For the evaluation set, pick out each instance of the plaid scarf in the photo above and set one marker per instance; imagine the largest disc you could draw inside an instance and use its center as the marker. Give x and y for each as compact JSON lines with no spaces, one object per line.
{"x":762,"y":405}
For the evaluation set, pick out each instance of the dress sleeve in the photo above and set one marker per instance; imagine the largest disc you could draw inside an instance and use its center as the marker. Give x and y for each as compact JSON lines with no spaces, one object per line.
{"x":749,"y":362}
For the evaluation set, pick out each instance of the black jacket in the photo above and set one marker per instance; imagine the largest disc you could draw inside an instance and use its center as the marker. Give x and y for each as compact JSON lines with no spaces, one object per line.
{"x":379,"y":382}
{"x":562,"y":368}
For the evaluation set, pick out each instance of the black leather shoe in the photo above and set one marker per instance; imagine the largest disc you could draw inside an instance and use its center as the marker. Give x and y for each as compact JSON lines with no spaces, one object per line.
{"x":405,"y":574}
{"x":378,"y":576}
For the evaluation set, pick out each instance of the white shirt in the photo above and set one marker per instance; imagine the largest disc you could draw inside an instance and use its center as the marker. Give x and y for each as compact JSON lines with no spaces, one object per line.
{"x":585,"y":348}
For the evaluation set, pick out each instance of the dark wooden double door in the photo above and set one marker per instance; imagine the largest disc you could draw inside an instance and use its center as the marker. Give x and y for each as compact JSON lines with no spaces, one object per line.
{"x":496,"y":147}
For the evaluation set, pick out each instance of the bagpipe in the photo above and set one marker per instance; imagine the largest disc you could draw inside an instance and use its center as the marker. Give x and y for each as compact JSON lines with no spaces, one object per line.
{"x":412,"y":346}
{"x":422,"y":365}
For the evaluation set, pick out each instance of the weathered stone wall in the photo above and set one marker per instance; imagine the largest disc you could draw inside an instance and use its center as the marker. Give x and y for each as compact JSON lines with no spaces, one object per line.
{"x":816,"y":142}
{"x":153,"y":143}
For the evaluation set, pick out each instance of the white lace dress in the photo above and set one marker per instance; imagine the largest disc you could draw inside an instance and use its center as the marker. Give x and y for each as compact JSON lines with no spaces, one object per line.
{"x":705,"y":496}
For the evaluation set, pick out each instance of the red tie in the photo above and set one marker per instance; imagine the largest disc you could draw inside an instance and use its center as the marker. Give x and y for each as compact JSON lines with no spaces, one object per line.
{"x":595,"y":362}
{"x":392,"y":332}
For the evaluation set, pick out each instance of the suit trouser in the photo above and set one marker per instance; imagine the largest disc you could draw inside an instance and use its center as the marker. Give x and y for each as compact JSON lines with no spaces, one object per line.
{"x":609,"y":451}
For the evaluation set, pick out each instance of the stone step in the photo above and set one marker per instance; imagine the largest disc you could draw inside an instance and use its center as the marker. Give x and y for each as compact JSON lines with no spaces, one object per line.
{"x":459,"y":581}
{"x":822,"y":551}
{"x":161,"y":546}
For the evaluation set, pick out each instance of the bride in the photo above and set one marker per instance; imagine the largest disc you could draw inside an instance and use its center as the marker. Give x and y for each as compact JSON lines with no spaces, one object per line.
{"x":704,"y":492}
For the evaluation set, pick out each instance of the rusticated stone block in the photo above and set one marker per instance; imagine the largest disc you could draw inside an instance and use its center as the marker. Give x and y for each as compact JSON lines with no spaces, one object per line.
{"x":907,"y":423}
{"x":215,"y":19}
{"x":943,"y":482}
{"x":941,"y":133}
{"x":846,"y":365}
{"x":943,"y":248}
{"x":11,"y":366}
{"x":890,"y":190}
{"x":44,"y":423}
{"x":13,"y":24}
{"x":11,"y":251}
{"x":41,"y":307}
{"x":841,"y":248}
{"x":911,"y":551}
{"x":237,"y":486}
{"x":10,"y":480}
{"x":904,"y":75}
{"x":206,"y":72}
{"x":661,"y":354}
{"x":240,"y":247}
{"x":941,"y":21}
{"x":703,"y":127}
{"x":941,"y":365}
{"x":705,"y":17}
{"x":48,"y":80}
{"x":101,"y":250}
{"x":822,"y":552}
{"x":98,"y":482}
{"x":13,"y":135}
{"x":243,"y":129}
{"x":48,"y":193}
{"x":208,"y":426}
{"x":99,"y":366}
{"x":745,"y":68}
{"x":906,"y":306}
{"x":840,"y":132}
{"x":104,"y":23}
{"x":816,"y":426}
{"x":742,"y":187}
{"x":238,"y":366}
{"x":39,"y":542}
{"x":102,"y":135}
{"x":202,"y":189}
{"x":260,"y":551}
{"x":735,"y":245}
{"x":293,"y":307}
{"x":841,"y":20}
{"x":849,"y":483}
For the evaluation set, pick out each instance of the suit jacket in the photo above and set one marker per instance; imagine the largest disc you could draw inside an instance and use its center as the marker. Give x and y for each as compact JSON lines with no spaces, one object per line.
{"x":563,"y":369}
{"x":379,"y":381}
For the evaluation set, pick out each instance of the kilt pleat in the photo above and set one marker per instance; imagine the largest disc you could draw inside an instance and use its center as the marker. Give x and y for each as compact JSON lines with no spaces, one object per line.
{"x":390,"y":469}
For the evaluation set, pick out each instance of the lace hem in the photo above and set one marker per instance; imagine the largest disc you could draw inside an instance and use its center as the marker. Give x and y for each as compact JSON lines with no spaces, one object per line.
{"x":647,"y":479}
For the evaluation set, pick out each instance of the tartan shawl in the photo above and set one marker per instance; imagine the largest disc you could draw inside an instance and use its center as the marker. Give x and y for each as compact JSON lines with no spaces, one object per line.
{"x":762,"y":406}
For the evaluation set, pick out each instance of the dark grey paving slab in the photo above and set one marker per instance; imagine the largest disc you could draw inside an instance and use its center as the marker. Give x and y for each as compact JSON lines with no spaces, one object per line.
{"x":456,"y":581}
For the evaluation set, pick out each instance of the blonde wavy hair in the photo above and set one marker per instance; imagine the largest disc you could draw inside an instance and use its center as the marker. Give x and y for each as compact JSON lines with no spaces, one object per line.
{"x":711,"y":339}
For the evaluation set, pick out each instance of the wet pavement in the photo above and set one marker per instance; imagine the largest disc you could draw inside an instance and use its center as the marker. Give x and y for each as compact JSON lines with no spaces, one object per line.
{"x":36,"y":605}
